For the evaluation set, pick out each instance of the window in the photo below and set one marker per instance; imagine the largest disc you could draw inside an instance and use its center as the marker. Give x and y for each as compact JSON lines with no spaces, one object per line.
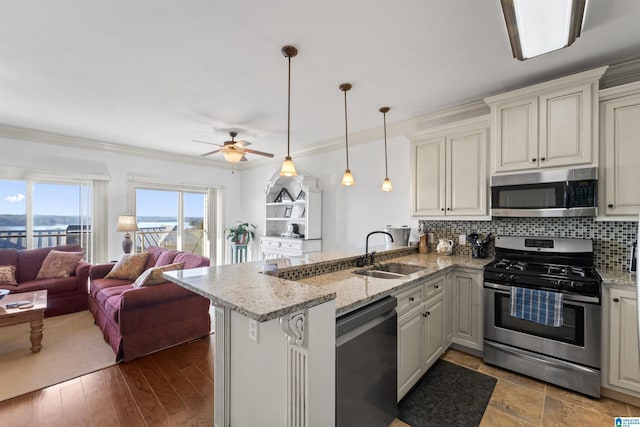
{"x":174,"y":219}
{"x":37,"y":214}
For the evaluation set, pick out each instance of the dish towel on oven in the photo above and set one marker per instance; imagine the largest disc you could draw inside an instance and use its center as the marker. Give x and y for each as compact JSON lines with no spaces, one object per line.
{"x":537,"y":306}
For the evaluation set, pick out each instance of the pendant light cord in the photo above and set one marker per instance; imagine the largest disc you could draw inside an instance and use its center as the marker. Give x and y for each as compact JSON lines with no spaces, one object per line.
{"x":346,"y":132}
{"x":289,"y":108}
{"x":386,"y":169}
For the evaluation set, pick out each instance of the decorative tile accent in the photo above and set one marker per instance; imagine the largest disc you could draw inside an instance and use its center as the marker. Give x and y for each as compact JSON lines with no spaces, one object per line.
{"x":611,"y":239}
{"x":316,"y":269}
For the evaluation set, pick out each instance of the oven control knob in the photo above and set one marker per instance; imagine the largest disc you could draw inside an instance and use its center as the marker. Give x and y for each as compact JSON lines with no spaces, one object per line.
{"x":502,"y":276}
{"x":512,"y":277}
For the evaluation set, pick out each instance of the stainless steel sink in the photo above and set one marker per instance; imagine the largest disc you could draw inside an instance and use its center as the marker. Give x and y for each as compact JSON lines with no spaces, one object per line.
{"x":388,"y":271}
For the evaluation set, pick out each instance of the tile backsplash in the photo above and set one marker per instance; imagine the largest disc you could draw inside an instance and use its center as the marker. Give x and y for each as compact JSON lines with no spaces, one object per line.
{"x":611,"y":239}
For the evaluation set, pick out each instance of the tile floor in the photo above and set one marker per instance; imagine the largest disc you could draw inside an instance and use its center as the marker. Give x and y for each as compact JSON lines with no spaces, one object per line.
{"x":522,"y":401}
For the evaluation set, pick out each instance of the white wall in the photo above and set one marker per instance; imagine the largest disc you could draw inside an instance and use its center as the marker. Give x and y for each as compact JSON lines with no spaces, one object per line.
{"x":348,"y":213}
{"x":119,"y":166}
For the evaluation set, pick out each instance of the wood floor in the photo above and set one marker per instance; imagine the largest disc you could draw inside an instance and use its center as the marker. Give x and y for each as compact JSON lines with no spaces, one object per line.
{"x":173,"y":387}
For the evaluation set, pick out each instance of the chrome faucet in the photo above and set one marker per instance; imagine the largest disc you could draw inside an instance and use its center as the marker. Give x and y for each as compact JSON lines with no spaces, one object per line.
{"x":369,"y":258}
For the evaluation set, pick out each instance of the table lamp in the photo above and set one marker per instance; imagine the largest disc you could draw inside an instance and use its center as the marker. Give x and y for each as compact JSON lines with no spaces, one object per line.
{"x":127,"y":223}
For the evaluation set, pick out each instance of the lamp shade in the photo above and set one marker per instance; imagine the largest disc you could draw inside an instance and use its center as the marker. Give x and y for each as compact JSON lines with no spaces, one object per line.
{"x":288,"y":168}
{"x":347,"y":179}
{"x":386,"y":185}
{"x":127,"y":223}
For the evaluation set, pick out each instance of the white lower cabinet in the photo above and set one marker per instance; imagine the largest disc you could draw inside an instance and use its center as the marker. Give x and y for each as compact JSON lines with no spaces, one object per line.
{"x":467,"y":308}
{"x":624,"y":366}
{"x":420,"y":332}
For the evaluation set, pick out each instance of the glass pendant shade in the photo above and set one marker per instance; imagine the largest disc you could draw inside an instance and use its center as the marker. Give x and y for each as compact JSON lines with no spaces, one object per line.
{"x":232,"y":156}
{"x":386,"y":185}
{"x":288,"y":168}
{"x":347,"y":179}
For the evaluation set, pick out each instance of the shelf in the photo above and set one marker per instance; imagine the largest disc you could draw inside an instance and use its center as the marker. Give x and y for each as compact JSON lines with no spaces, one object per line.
{"x":295,"y":202}
{"x":285,"y":219}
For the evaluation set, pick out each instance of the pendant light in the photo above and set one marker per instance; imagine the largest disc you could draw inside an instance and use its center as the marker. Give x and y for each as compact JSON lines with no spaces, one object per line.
{"x":347,"y":178}
{"x":386,"y":184}
{"x":288,"y":168}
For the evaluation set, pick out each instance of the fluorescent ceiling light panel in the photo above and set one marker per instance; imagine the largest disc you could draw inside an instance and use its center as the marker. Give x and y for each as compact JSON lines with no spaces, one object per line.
{"x":536,"y":27}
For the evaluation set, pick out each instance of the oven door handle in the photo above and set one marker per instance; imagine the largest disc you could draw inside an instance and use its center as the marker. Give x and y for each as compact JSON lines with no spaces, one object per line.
{"x":565,"y":297}
{"x":543,"y":360}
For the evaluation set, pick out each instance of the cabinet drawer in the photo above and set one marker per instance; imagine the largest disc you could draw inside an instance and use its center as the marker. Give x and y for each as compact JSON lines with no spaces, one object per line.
{"x":409,"y":299}
{"x":433,"y":288}
{"x":270,"y":244}
{"x":291,"y":245}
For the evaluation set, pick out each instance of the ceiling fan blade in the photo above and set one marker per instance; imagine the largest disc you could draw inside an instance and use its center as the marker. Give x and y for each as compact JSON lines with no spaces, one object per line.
{"x":243,"y":159}
{"x":260,"y":153}
{"x":206,"y":142}
{"x":242,"y":142}
{"x":211,"y":152}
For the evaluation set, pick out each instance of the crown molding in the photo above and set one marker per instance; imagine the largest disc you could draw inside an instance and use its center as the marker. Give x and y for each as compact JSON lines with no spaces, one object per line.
{"x":45,"y":137}
{"x":622,"y":73}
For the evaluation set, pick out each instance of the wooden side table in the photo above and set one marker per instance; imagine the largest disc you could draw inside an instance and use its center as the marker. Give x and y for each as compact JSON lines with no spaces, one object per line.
{"x":34,"y":314}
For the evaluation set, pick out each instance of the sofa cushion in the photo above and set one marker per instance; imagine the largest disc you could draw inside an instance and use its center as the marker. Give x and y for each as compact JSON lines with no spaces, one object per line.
{"x":8,"y":275}
{"x":104,"y":294}
{"x":53,"y":286}
{"x":153,"y":275}
{"x":154,"y":253}
{"x":30,"y":260}
{"x":59,"y":264}
{"x":166,"y":257}
{"x":99,"y":284}
{"x":8,"y":257}
{"x":191,"y":260}
{"x":129,"y":266}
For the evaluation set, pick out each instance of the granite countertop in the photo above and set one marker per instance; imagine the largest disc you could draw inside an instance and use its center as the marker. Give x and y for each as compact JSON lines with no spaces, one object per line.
{"x":354,"y":290}
{"x":617,"y":277}
{"x":243,"y":288}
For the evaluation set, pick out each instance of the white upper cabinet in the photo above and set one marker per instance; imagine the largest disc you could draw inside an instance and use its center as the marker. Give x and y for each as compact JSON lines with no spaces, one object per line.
{"x":551,"y":124}
{"x":449,"y":170}
{"x":620,"y":147}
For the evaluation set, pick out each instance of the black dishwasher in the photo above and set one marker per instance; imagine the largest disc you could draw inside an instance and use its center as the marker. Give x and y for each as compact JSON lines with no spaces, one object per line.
{"x":366,"y":365}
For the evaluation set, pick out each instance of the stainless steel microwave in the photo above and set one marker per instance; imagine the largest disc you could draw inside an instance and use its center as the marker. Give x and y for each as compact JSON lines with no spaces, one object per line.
{"x":553,"y":193}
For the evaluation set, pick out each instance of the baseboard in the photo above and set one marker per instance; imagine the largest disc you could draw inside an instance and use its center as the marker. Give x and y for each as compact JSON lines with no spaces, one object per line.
{"x":622,"y":397}
{"x":471,"y":351}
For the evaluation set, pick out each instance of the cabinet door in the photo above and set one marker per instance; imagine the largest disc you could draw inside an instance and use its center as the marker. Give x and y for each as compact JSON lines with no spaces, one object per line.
{"x":448,"y":309}
{"x":516,"y":135}
{"x":565,"y":127}
{"x":428,"y":167}
{"x":434,"y":331}
{"x":622,"y":151}
{"x":467,"y":173}
{"x":467,"y":322}
{"x":624,"y":365}
{"x":410,"y":349}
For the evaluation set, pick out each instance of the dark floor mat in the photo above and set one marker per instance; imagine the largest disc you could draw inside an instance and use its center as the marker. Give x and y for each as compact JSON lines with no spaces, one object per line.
{"x":448,"y":394}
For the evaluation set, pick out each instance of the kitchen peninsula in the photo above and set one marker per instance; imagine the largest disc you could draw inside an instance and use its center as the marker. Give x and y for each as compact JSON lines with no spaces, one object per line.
{"x":275,"y":338}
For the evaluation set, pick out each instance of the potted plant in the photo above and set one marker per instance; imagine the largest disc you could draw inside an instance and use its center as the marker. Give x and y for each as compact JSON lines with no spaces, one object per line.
{"x":241,"y":234}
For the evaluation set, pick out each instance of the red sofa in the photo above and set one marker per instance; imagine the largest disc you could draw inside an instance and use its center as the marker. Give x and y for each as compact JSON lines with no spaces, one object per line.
{"x":139,"y":321}
{"x":64,"y":295}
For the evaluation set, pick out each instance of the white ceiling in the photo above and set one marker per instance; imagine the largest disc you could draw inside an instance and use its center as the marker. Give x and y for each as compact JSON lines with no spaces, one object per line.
{"x":159,"y":73}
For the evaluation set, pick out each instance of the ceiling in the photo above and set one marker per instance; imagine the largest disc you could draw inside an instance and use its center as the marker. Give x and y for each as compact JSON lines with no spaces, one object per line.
{"x":158,"y":73}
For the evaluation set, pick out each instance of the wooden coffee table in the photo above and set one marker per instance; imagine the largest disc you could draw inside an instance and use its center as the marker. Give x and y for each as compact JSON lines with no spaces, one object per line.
{"x":34,"y":315}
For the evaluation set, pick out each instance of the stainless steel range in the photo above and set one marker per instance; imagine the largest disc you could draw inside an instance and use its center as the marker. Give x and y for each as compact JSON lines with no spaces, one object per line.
{"x":542,"y":311}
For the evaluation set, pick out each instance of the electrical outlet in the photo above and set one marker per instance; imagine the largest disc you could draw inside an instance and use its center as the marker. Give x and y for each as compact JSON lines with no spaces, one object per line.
{"x":253,"y":330}
{"x":462,"y":239}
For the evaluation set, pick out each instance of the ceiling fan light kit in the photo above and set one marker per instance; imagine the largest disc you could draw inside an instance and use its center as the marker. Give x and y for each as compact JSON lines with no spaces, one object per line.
{"x":288,"y":168}
{"x":347,"y":178}
{"x":386,"y":184}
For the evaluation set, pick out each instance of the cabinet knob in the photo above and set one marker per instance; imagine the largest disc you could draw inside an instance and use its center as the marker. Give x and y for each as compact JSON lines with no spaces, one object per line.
{"x":534,"y":159}
{"x":437,"y":287}
{"x":448,"y":209}
{"x":610,"y":205}
{"x":441,"y":209}
{"x":542,"y":159}
{"x":424,"y":315}
{"x":428,"y":313}
{"x":616,"y":300}
{"x":411,"y":299}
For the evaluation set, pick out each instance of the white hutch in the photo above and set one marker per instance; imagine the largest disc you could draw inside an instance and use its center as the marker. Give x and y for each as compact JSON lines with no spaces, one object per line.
{"x":293,"y":223}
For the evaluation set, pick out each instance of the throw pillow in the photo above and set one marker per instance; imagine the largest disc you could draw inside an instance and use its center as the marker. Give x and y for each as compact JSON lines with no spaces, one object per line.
{"x":59,"y":264}
{"x":128,"y":266}
{"x":153,"y":275}
{"x":8,"y":275}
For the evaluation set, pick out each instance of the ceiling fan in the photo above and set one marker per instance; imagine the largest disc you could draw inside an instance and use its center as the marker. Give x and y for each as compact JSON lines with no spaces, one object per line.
{"x":234,"y":151}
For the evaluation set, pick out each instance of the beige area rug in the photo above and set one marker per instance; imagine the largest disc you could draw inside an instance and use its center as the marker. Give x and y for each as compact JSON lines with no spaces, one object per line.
{"x":71,"y":346}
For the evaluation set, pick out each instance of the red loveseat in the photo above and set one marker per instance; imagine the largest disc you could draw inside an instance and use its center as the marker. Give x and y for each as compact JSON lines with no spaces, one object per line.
{"x":64,"y":294}
{"x":139,"y":321}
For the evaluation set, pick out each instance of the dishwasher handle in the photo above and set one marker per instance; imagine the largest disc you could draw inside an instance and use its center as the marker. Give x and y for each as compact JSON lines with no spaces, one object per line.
{"x":353,"y":320}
